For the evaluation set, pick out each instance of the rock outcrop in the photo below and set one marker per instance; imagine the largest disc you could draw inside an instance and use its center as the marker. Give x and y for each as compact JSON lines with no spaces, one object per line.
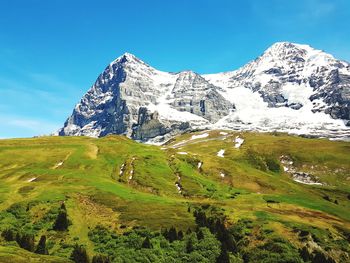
{"x":290,"y":87}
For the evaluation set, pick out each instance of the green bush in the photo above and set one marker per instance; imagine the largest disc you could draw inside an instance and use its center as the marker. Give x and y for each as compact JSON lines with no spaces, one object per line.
{"x":273,"y":164}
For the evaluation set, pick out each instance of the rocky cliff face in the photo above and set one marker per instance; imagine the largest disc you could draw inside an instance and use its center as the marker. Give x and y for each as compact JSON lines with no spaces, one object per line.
{"x":290,"y":87}
{"x":134,"y":99}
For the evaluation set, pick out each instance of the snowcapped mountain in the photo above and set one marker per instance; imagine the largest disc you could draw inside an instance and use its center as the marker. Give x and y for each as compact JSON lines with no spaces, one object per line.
{"x":290,"y":87}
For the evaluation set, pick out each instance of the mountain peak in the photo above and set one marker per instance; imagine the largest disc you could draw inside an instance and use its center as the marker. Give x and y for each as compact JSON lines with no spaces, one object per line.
{"x":308,"y":86}
{"x":287,"y":47}
{"x":128,"y":57}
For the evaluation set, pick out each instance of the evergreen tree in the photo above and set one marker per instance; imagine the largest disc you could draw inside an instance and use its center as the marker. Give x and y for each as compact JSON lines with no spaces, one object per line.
{"x":172,"y":234}
{"x":101,"y":259}
{"x":320,"y":257}
{"x":63,"y":206}
{"x":19,"y":238}
{"x":201,"y":218}
{"x":41,"y":248}
{"x":147,"y":243}
{"x":305,"y":254}
{"x":189,"y":231}
{"x":180,"y":235}
{"x":224,"y":256}
{"x":79,"y":254}
{"x":200,"y":234}
{"x":165,"y":233}
{"x":189,"y":245}
{"x":61,"y":223}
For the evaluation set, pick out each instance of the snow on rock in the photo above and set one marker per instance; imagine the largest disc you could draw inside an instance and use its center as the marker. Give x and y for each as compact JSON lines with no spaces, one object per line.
{"x":221,"y":153}
{"x":298,"y":176}
{"x":268,"y":97}
{"x":305,"y":178}
{"x":290,"y":88}
{"x":31,"y":179}
{"x":131,"y":174}
{"x":178,"y":187}
{"x":122,"y":169}
{"x":58,"y":165}
{"x":182,"y":153}
{"x":199,"y":136}
{"x":179,"y":144}
{"x":238,"y":142}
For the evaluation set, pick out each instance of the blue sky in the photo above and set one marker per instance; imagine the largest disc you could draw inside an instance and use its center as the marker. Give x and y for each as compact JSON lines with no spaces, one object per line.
{"x":51,"y":52}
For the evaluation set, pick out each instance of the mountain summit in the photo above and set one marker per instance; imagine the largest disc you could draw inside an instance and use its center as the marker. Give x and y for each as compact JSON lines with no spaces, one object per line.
{"x":290,"y":88}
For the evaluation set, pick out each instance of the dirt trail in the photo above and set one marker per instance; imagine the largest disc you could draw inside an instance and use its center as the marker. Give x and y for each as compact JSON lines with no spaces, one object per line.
{"x":92,"y":151}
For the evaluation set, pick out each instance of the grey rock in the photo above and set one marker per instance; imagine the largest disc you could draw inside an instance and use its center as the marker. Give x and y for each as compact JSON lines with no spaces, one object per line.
{"x":129,"y":97}
{"x":122,"y":97}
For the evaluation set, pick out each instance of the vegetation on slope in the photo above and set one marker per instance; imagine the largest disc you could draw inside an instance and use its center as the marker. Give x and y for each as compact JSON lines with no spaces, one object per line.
{"x":116,"y":200}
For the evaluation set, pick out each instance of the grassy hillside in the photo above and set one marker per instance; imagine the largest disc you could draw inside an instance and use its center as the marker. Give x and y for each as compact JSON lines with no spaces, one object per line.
{"x":112,"y":186}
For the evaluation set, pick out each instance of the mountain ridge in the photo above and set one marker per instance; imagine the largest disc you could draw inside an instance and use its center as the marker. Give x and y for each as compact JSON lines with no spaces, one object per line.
{"x":290,"y":88}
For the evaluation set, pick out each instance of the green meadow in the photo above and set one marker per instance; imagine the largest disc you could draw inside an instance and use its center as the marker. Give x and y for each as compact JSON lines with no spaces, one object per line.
{"x":112,"y":187}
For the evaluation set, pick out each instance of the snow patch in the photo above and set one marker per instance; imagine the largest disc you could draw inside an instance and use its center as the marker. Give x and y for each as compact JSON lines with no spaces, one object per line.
{"x":58,"y":165}
{"x":178,"y":187}
{"x":182,"y":153}
{"x":305,"y":180}
{"x":297,"y":93}
{"x":221,"y":153}
{"x":121,"y":169}
{"x":31,"y":179}
{"x":238,"y":142}
{"x":199,"y":136}
{"x":253,"y":113}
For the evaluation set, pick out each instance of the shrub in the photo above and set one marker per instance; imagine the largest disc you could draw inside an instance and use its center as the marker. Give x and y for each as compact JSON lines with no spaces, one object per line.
{"x":25,"y":241}
{"x":272,"y":164}
{"x":101,"y":259}
{"x":9,"y":235}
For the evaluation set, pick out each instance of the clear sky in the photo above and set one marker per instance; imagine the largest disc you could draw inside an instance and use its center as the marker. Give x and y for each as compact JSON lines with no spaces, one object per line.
{"x":52,"y":51}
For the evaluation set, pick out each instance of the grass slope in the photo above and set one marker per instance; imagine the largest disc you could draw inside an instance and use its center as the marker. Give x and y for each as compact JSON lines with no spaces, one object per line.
{"x":119,"y":184}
